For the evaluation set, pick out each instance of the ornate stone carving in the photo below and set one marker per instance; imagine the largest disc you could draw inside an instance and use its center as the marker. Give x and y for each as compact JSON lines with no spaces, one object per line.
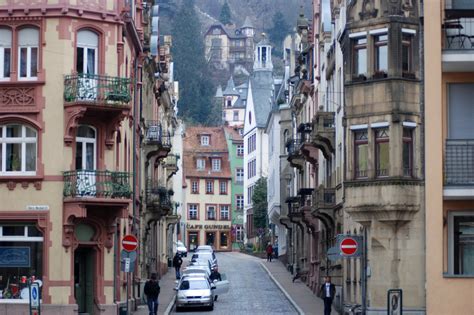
{"x":71,"y":118}
{"x":11,"y":185}
{"x":17,"y":96}
{"x":368,"y":10}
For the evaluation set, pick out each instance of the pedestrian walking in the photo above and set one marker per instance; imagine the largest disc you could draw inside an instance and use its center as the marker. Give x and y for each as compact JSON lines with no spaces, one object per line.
{"x":152,"y":291}
{"x":269,"y":251}
{"x":177,"y":262}
{"x":327,"y":293}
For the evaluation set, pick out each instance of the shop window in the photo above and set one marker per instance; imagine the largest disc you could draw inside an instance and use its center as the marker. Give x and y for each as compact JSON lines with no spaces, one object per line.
{"x":21,"y":259}
{"x":28,"y":46}
{"x":224,"y":237}
{"x":461,"y":244}
{"x":5,"y":53}
{"x":382,"y":151}
{"x":18,"y":150}
{"x":361,"y":150}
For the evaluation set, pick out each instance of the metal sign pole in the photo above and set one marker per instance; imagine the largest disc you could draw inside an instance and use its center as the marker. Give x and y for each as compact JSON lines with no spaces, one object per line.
{"x":127,"y":294}
{"x":363,"y":273}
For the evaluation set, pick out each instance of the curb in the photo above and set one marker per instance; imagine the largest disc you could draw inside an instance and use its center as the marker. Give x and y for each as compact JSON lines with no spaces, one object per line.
{"x":170,"y":306}
{"x":298,"y":309}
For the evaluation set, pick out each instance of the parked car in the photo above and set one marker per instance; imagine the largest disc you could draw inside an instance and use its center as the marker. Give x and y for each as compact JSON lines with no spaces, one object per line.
{"x":193,"y":292}
{"x":181,"y":249}
{"x":205,"y":256}
{"x":204,"y":248}
{"x":197,"y":269}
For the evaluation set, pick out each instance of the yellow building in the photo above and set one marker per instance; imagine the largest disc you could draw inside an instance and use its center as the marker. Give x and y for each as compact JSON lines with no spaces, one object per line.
{"x":449,"y":86}
{"x":207,"y":188}
{"x":70,"y":86}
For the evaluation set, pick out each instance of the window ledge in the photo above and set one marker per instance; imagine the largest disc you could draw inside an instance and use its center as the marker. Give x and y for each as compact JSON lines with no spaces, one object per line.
{"x":12,"y":181}
{"x":21,"y":82}
{"x":450,"y":275}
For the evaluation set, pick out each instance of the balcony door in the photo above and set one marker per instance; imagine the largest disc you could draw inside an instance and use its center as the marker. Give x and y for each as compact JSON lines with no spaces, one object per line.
{"x":86,"y":160}
{"x":86,"y":64}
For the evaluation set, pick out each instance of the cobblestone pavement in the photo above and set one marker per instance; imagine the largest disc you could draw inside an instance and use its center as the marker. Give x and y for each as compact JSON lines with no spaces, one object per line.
{"x":251,"y":289}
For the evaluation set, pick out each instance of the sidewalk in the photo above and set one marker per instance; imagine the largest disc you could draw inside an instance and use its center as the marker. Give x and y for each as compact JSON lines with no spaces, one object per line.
{"x":297,"y":292}
{"x":166,"y":298}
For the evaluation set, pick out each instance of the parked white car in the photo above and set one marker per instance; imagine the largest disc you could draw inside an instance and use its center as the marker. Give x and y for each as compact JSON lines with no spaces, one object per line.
{"x":181,"y":249}
{"x":197,"y":290}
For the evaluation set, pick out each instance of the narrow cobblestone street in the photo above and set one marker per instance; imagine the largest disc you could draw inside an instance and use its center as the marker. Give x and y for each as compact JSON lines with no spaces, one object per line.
{"x":251,"y":289}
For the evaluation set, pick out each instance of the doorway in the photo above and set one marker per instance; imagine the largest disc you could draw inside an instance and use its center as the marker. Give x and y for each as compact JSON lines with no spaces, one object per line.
{"x":210,"y":239}
{"x":84,"y":279}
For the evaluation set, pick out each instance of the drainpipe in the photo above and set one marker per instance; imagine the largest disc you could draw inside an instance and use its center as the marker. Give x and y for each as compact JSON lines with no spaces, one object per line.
{"x":134,"y":164}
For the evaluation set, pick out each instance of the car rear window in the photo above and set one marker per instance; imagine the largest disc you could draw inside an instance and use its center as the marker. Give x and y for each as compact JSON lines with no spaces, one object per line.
{"x":194,"y":285}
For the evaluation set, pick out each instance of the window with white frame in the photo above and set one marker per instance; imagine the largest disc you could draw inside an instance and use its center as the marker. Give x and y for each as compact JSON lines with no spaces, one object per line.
{"x":223,"y":187}
{"x":240,"y":150}
{"x":87,"y":52}
{"x":250,"y":194}
{"x":193,"y":212}
{"x":216,"y":165}
{"x":28,"y":47}
{"x":211,"y":212}
{"x":18,"y":150}
{"x":236,"y":115}
{"x":239,"y":233}
{"x":239,"y":201}
{"x":21,"y":249}
{"x":200,"y":164}
{"x":194,"y":187}
{"x":209,"y":187}
{"x":5,"y":53}
{"x":205,"y":140}
{"x":239,"y":175}
{"x":461,"y":243}
{"x":224,"y":212}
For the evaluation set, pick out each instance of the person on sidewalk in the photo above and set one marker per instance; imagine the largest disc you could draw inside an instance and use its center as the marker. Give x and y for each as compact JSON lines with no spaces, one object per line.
{"x":327,"y":293}
{"x":269,"y":251}
{"x":177,"y":262}
{"x":152,"y":290}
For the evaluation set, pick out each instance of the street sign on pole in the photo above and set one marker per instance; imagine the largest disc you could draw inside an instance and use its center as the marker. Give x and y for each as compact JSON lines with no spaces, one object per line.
{"x":35,"y":303}
{"x":349,"y":246}
{"x":129,"y":243}
{"x":127,"y":265}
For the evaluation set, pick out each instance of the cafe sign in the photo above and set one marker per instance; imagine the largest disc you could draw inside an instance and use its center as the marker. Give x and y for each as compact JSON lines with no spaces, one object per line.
{"x":208,"y":226}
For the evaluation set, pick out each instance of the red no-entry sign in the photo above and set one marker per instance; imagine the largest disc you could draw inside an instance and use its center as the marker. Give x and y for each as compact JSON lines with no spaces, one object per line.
{"x":348,"y":246}
{"x":129,"y":243}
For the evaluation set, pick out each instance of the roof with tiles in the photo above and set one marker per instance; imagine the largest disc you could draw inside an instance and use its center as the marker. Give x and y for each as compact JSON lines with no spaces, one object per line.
{"x":217,"y":148}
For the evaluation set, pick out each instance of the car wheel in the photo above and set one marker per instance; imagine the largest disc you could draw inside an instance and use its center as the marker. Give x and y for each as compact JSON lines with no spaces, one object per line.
{"x":178,"y":309}
{"x":211,"y":308}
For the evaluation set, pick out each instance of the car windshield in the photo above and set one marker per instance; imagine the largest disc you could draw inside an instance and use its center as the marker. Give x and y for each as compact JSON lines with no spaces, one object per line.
{"x":194,"y":285}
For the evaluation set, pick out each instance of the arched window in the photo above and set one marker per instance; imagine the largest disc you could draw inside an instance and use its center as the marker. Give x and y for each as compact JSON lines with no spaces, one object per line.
{"x":28,"y":45}
{"x":5,"y":52}
{"x":18,"y":150}
{"x":87,"y":52}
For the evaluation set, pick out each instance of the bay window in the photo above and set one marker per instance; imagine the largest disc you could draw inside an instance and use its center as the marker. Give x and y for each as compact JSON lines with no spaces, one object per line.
{"x":360,"y":56}
{"x":382,"y":151}
{"x":361,"y":150}
{"x":407,"y":152}
{"x":28,"y":47}
{"x":381,"y":53}
{"x":17,"y":150}
{"x":407,"y":53}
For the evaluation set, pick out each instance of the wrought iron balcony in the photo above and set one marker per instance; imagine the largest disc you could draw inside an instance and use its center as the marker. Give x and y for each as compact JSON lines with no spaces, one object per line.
{"x":294,"y":154}
{"x":309,"y":151}
{"x":158,"y":198}
{"x":324,"y":198}
{"x":324,"y":132}
{"x":97,"y":89}
{"x":96,"y":184}
{"x":459,"y":162}
{"x":157,"y":141}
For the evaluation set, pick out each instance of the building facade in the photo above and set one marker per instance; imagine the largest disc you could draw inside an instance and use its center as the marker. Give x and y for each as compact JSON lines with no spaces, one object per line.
{"x":208,"y":195}
{"x":449,"y":78}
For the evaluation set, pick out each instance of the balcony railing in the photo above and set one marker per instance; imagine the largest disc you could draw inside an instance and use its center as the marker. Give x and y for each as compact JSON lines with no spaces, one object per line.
{"x":114,"y":91}
{"x":154,"y":134}
{"x":459,"y":162}
{"x":157,"y":197}
{"x":98,"y":184}
{"x":459,"y":33}
{"x":293,"y":146}
{"x":324,"y":198}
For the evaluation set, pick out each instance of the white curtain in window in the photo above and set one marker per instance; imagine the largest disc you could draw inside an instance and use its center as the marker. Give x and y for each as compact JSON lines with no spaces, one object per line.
{"x":28,"y":37}
{"x":87,"y":38}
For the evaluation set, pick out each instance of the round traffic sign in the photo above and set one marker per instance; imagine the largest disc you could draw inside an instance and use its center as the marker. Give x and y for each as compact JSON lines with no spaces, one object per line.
{"x":129,"y":243}
{"x":348,"y":246}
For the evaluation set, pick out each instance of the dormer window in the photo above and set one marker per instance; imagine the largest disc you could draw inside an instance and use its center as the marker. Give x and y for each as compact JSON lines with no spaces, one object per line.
{"x":201,"y":164}
{"x":205,"y":140}
{"x":216,"y":165}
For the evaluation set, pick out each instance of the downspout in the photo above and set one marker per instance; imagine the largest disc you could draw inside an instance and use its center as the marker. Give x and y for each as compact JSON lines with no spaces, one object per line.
{"x":134,"y":167}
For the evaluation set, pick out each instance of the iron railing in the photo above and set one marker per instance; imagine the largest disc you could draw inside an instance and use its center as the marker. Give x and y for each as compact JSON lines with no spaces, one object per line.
{"x":154,"y":134}
{"x":459,"y":34}
{"x":293,"y":146}
{"x":459,"y":162}
{"x":324,"y":198}
{"x":97,"y":89}
{"x":157,"y":196}
{"x":305,"y":129}
{"x":98,"y":184}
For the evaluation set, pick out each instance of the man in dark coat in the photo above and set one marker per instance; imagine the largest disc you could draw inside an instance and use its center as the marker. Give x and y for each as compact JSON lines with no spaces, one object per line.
{"x":327,"y":293}
{"x":177,"y":262}
{"x":215,"y":275}
{"x":152,"y":290}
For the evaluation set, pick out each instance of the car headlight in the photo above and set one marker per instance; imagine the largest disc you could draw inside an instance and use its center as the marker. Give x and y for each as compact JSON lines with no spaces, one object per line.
{"x":181,"y":296}
{"x":206,"y":296}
